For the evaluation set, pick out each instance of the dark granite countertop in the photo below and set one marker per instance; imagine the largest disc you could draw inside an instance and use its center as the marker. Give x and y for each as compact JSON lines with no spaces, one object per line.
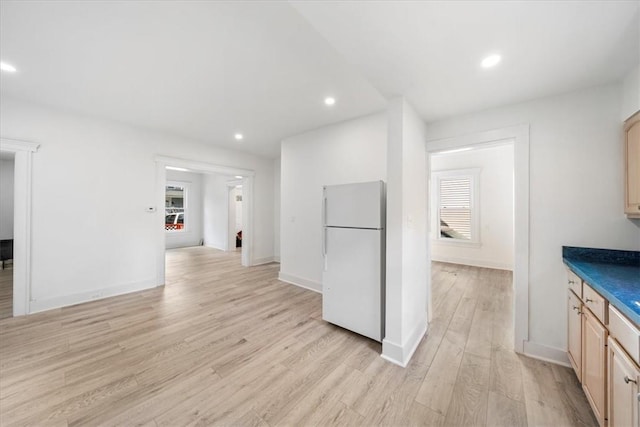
{"x":614,"y":274}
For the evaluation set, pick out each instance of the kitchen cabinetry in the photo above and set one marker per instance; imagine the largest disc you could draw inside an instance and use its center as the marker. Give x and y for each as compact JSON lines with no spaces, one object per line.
{"x":624,"y":376}
{"x":632,"y":166}
{"x":587,"y":342}
{"x":594,"y":364}
{"x":604,"y":351}
{"x":575,"y":334}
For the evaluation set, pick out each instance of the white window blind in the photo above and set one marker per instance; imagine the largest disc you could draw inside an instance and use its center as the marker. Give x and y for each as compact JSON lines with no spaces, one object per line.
{"x":455,"y":206}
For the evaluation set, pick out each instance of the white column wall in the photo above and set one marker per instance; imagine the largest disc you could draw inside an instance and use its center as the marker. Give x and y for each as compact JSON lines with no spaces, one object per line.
{"x":408,"y":269}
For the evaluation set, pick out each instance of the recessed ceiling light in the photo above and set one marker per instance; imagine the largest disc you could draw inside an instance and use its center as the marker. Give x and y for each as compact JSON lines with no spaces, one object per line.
{"x":329,"y":100}
{"x":491,"y":61}
{"x":238,"y":136}
{"x":238,"y":176}
{"x":7,"y":67}
{"x":173,"y":168}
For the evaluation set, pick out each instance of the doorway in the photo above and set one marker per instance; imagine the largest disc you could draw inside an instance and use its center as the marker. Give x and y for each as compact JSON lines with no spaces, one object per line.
{"x":214,"y":181}
{"x":519,"y":138}
{"x":7,"y":160}
{"x":234,"y":216}
{"x":472,"y":205}
{"x":22,"y":152}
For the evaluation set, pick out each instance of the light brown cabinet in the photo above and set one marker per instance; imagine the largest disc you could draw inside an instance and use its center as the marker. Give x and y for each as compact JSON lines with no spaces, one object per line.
{"x":623,"y":388}
{"x":632,"y":166}
{"x":575,"y":333}
{"x":604,"y":350}
{"x":594,"y":364}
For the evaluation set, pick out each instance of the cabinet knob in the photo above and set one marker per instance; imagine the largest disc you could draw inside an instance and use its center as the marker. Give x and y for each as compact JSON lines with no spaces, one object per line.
{"x":629,"y":380}
{"x":576,"y":308}
{"x":571,"y":282}
{"x":588,"y":300}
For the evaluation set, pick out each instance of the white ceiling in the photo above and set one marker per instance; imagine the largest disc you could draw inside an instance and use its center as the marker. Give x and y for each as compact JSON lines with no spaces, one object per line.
{"x":207,"y":70}
{"x":430,"y":51}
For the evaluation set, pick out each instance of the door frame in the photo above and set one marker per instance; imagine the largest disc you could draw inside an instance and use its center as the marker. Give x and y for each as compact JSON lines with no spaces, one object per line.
{"x":22,"y":221}
{"x":520,"y":135}
{"x":201,"y":167}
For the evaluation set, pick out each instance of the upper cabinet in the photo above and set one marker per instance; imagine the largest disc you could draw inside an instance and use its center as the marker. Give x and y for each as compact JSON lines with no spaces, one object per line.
{"x":632,"y":166}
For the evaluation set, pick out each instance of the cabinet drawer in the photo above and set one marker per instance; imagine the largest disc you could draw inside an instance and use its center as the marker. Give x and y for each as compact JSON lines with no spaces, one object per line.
{"x":625,"y":333}
{"x":575,"y":283}
{"x":594,"y":302}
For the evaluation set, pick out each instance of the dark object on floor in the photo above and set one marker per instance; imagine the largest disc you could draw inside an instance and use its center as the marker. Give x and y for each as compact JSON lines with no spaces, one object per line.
{"x":6,"y":250}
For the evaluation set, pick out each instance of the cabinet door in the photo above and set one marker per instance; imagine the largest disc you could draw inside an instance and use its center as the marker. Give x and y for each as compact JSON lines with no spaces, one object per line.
{"x":632,"y":166}
{"x":575,"y":333}
{"x":594,"y":364}
{"x":623,"y":388}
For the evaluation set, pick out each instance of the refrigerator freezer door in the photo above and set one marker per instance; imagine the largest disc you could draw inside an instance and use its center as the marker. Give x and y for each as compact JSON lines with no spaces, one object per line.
{"x":351,"y":294}
{"x":354,"y":205}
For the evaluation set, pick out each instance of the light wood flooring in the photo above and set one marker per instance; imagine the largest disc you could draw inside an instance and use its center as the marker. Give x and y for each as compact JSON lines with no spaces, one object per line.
{"x":226,"y":345}
{"x":6,"y":293}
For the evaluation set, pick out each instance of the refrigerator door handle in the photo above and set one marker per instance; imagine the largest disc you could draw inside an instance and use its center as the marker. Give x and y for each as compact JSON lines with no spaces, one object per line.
{"x":325,"y":257}
{"x":324,"y":241}
{"x":324,"y":226}
{"x":324,"y":211}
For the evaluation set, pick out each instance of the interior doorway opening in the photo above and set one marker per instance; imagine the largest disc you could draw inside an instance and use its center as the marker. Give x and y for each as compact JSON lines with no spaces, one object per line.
{"x":516,"y":262}
{"x":22,"y":153}
{"x":7,"y":167}
{"x":472,"y":241}
{"x":235,"y":217}
{"x":198,"y":209}
{"x":472,"y":205}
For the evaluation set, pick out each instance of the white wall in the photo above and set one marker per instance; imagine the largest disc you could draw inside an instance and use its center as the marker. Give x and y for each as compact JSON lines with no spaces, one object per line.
{"x":192,"y":233}
{"x":6,"y":199}
{"x":576,"y":190}
{"x":495,"y":203}
{"x":93,"y":160}
{"x":631,"y":93}
{"x":351,"y":151}
{"x":408,"y":269}
{"x":276,"y":209}
{"x":216,"y":211}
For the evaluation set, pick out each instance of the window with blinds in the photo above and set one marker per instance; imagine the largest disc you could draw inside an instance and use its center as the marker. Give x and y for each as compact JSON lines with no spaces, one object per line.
{"x":455,"y":208}
{"x":455,"y":205}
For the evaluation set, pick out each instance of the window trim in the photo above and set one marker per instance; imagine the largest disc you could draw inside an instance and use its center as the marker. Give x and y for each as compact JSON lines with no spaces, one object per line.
{"x":185,"y":205}
{"x":474,"y":175}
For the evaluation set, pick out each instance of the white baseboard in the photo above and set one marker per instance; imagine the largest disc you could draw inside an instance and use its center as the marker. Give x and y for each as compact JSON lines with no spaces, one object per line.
{"x":401,"y":354}
{"x":216,"y":247}
{"x":545,"y":353}
{"x":301,"y":282}
{"x":472,"y":262}
{"x":260,"y":261}
{"x":66,"y":300}
{"x":182,"y":244}
{"x":276,"y":258}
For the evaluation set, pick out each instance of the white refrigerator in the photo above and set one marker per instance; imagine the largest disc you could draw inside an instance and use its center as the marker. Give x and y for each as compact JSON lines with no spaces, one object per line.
{"x":353,"y":247}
